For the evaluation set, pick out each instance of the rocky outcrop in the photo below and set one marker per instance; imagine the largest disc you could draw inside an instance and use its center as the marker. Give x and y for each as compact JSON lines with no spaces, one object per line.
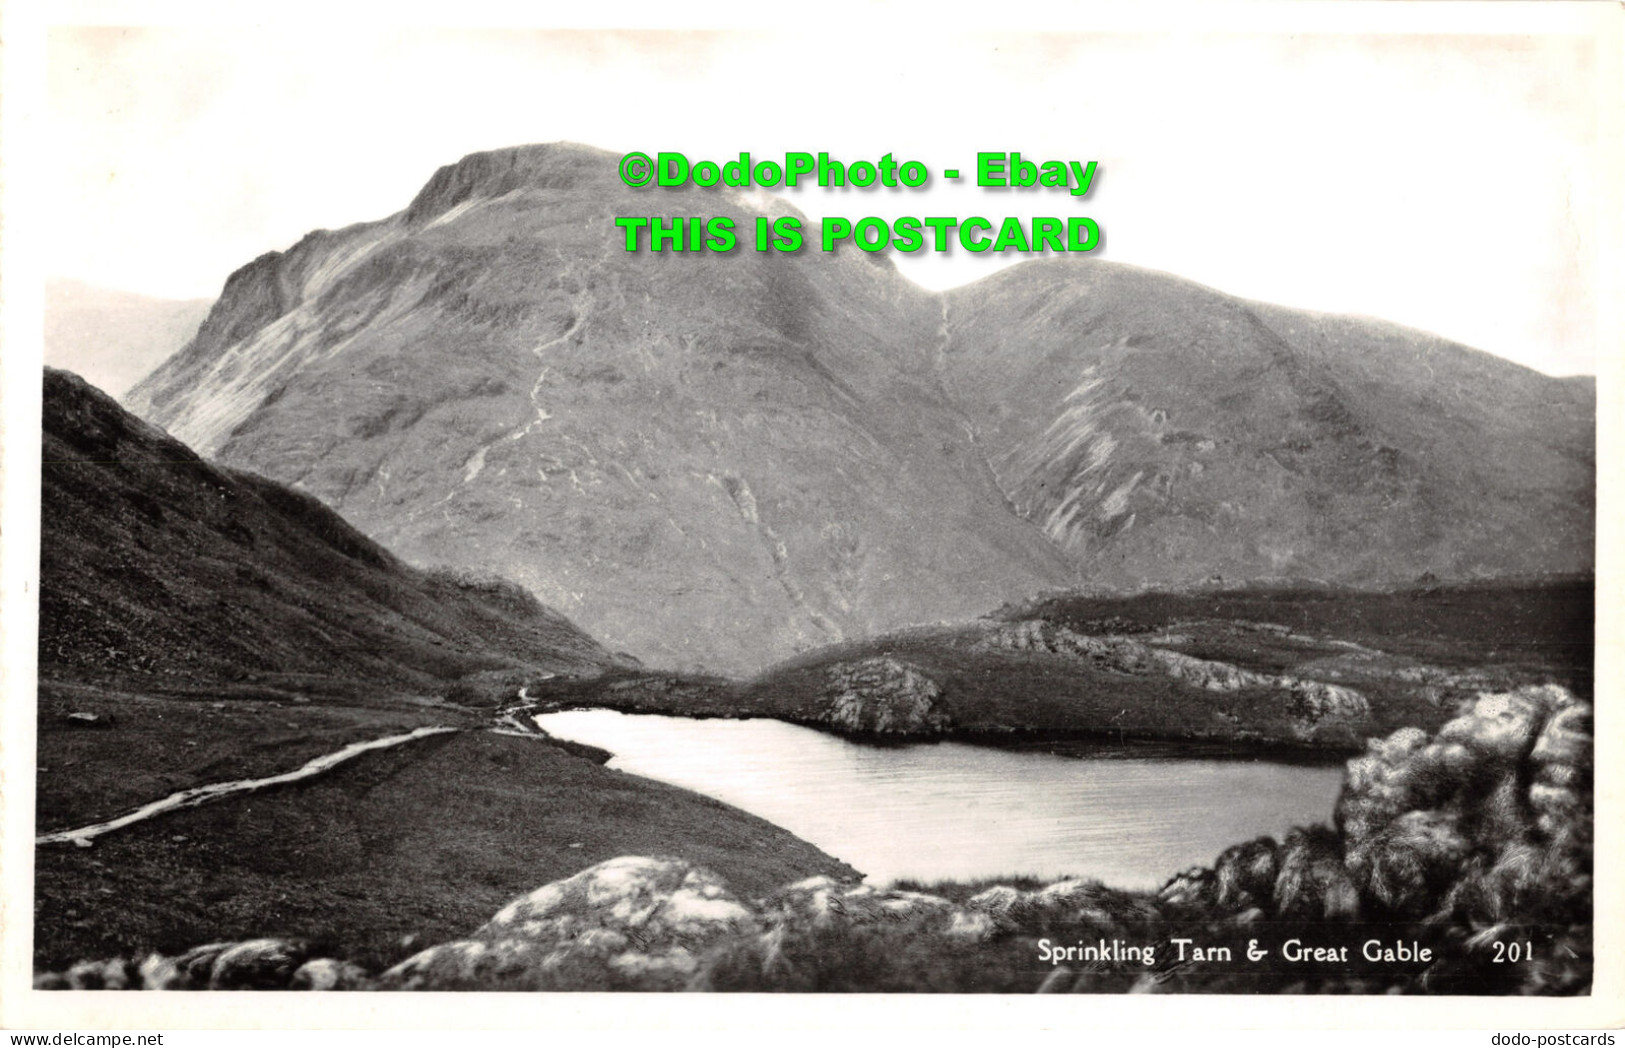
{"x":1481,"y":835}
{"x":883,"y":696}
{"x":823,"y":902}
{"x":1311,"y":702}
{"x":1080,"y":902}
{"x":1465,"y":842}
{"x":485,"y":176}
{"x":627,"y":923}
{"x":325,"y":973}
{"x":1490,"y":820}
{"x":257,"y":964}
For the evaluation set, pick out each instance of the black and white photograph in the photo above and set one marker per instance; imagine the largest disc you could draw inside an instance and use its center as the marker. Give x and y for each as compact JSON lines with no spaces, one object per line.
{"x":1099,"y":504}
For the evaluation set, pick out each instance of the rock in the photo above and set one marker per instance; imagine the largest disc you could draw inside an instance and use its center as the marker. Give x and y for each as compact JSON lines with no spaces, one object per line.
{"x":160,"y":973}
{"x":1313,"y":883}
{"x":1502,"y":726}
{"x":1492,"y":815}
{"x":632,"y":923}
{"x":196,"y":965}
{"x":883,"y":696}
{"x":825,"y":935}
{"x":1311,"y":702}
{"x":103,"y":975}
{"x":1245,"y":874}
{"x":258,"y":964}
{"x":1194,"y":888}
{"x":824,"y":901}
{"x":1071,"y":902}
{"x":1406,"y":865}
{"x":325,"y":973}
{"x":998,"y":901}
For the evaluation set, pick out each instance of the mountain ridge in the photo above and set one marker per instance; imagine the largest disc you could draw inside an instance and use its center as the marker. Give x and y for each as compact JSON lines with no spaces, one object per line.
{"x":1178,"y":396}
{"x":717,"y":460}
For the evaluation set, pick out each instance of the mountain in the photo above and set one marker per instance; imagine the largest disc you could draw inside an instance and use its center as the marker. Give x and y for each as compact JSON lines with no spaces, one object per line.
{"x":114,"y":338}
{"x":160,"y":568}
{"x":715,"y":461}
{"x":710,"y":460}
{"x":1161,"y":432}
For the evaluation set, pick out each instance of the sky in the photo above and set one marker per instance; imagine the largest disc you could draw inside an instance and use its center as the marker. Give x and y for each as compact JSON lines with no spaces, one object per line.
{"x":1450,"y":181}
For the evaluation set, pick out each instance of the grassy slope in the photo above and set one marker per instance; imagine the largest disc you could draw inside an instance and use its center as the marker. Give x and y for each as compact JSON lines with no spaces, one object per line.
{"x":428,"y":839}
{"x":157,"y":745}
{"x":1541,"y":625}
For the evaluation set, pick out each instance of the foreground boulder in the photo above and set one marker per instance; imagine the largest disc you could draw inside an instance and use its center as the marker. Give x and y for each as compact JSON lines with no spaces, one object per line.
{"x":631,"y":923}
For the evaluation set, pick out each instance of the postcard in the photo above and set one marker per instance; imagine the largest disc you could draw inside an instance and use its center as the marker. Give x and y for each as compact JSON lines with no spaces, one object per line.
{"x":555,"y":508}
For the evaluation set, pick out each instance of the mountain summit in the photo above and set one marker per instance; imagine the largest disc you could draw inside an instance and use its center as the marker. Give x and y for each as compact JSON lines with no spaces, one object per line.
{"x":714,"y":460}
{"x":709,"y":460}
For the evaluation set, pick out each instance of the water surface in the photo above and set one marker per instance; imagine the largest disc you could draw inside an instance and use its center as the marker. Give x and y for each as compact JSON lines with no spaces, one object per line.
{"x":950,"y":810}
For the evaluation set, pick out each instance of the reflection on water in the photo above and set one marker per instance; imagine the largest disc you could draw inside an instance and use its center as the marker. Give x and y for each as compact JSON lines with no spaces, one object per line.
{"x":950,"y":810}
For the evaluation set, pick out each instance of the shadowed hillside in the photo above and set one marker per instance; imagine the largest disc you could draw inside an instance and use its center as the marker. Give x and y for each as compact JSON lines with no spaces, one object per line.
{"x":198,"y":623}
{"x":157,"y":566}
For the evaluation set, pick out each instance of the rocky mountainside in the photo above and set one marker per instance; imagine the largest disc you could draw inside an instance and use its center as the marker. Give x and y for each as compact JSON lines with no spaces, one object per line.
{"x":158,"y":568}
{"x":1161,"y":432}
{"x":114,"y":338}
{"x":706,"y":459}
{"x":714,"y":461}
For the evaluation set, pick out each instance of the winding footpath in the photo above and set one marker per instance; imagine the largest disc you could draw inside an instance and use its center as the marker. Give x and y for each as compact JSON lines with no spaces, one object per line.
{"x":196,"y":795}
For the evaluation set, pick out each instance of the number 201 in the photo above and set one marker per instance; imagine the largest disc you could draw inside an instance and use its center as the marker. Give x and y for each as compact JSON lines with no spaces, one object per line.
{"x":1511,"y":953}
